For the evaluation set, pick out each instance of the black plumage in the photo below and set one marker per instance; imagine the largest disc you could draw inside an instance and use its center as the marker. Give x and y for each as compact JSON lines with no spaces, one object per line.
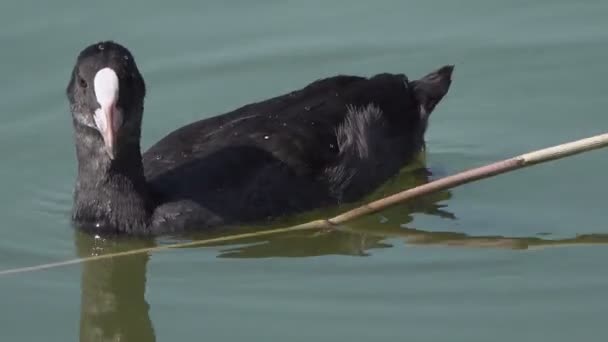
{"x":333,"y":141}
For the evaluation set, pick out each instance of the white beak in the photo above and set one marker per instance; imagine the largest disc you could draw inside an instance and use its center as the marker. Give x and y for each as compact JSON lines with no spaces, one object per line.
{"x":107,"y":118}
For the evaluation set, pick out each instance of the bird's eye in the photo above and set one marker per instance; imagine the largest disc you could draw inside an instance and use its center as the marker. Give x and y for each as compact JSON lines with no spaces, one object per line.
{"x":82,"y":82}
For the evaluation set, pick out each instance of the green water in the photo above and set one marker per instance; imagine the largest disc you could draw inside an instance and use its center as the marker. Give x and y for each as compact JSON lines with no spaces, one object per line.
{"x":498,"y":260}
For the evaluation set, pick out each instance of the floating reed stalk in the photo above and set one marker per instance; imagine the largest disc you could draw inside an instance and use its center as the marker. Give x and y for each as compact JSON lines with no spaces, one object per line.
{"x":515,"y":163}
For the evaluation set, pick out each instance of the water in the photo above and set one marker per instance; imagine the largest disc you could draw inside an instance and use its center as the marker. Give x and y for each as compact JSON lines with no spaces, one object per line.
{"x":498,"y":260}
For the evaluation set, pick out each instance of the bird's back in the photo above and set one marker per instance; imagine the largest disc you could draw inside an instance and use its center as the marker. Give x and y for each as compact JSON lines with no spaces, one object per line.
{"x":298,"y":127}
{"x":273,"y":149}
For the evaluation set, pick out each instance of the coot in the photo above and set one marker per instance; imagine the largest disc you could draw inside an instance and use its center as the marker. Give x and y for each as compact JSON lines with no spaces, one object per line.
{"x":332,"y":141}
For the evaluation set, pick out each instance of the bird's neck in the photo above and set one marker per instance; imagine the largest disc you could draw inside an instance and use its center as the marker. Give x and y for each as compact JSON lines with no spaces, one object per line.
{"x":111,"y":195}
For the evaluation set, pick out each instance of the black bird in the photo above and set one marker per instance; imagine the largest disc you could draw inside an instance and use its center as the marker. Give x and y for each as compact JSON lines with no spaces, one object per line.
{"x":333,"y":141}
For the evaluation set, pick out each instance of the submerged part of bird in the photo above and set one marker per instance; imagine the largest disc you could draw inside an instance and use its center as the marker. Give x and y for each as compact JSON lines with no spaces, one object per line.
{"x":333,"y":141}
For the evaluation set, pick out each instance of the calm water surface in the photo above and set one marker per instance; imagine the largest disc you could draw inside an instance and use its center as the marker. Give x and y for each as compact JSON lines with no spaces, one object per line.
{"x":517,"y":257}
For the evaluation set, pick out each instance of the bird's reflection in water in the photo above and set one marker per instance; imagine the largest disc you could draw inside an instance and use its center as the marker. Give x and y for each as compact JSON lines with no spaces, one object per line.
{"x":113,"y":305}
